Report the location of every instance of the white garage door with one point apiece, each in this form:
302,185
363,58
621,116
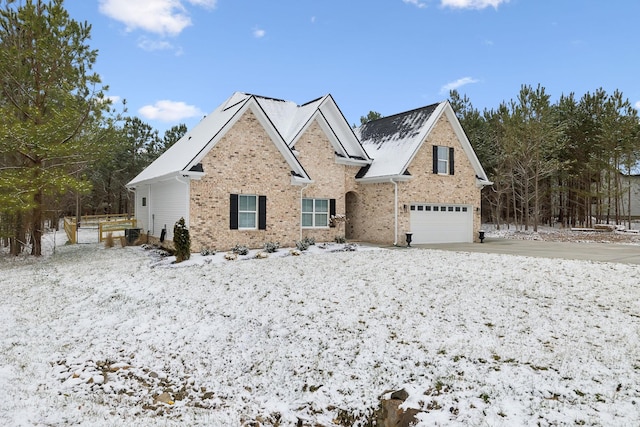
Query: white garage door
441,223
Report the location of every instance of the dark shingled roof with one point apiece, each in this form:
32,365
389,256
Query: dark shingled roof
401,126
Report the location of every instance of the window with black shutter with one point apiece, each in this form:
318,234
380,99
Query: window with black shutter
443,163
262,212
233,212
247,212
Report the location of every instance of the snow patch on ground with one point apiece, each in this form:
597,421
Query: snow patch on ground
121,336
557,234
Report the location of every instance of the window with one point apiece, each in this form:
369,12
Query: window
247,211
443,160
144,201
315,212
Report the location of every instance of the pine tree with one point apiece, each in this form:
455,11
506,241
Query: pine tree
181,241
51,107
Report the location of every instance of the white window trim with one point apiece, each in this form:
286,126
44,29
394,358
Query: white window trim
255,212
446,160
313,213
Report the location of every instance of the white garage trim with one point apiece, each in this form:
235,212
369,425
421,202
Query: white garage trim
441,223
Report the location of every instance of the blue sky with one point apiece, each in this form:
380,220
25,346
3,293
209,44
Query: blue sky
176,60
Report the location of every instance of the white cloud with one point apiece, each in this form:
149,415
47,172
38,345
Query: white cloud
456,84
166,17
114,98
416,3
151,45
471,4
169,111
637,105
259,33
210,4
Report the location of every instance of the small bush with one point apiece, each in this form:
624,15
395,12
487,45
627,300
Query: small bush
123,241
207,252
108,241
182,241
240,250
304,244
341,239
271,247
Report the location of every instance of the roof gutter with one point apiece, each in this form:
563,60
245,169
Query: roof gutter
386,178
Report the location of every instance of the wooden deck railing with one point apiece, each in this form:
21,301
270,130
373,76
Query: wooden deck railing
114,226
70,227
104,223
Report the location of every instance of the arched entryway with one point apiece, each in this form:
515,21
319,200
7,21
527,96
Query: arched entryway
351,212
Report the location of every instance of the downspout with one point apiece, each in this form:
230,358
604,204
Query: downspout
304,186
186,182
395,212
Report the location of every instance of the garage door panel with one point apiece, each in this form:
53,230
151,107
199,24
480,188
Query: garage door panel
441,223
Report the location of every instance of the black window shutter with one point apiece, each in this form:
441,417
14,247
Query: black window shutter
435,159
233,212
451,166
332,208
262,212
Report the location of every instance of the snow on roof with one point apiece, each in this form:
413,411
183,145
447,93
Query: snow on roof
181,154
392,141
287,119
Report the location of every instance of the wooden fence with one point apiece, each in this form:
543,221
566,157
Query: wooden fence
104,223
114,226
70,227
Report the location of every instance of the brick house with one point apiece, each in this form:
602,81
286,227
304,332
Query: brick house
259,169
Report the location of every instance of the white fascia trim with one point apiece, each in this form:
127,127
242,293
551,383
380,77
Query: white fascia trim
481,183
351,162
193,175
296,180
156,179
384,179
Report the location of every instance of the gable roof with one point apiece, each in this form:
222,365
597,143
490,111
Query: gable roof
284,121
392,142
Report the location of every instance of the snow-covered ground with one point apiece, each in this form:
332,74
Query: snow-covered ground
110,337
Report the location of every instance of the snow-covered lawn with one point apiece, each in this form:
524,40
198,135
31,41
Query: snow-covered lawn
111,337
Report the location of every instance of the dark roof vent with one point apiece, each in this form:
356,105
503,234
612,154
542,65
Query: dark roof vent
197,168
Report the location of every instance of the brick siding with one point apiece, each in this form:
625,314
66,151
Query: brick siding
246,161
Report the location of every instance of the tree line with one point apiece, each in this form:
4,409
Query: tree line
63,146
566,163
65,149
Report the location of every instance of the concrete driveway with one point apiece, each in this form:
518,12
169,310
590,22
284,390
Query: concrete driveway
605,252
